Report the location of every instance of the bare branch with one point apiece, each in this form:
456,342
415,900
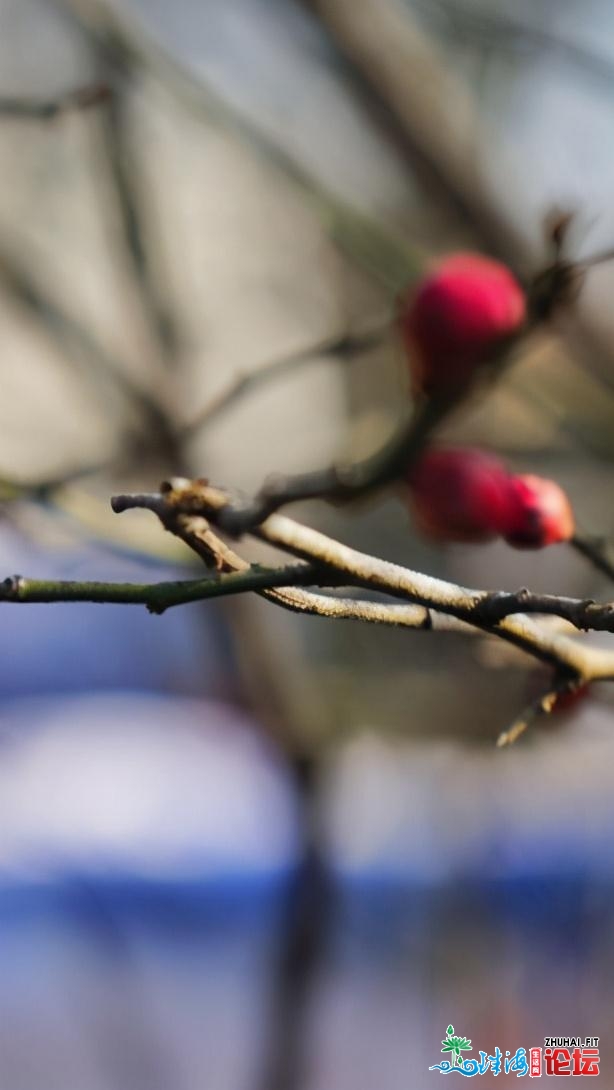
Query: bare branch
157,597
544,705
340,482
48,109
68,333
344,348
499,613
369,243
596,550
125,175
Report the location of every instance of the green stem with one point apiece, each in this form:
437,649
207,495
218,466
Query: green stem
155,596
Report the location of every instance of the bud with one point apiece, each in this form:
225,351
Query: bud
455,319
539,513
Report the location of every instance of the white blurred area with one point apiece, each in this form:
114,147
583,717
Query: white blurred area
140,787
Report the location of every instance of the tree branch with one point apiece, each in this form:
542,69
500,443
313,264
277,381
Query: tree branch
544,705
596,550
157,597
67,332
125,177
500,613
48,109
340,482
343,347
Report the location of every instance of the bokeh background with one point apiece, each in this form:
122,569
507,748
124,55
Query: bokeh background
241,849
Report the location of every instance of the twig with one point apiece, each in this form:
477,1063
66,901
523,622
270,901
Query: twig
439,124
196,533
119,147
501,614
157,597
48,109
596,550
12,489
502,32
344,347
370,244
544,705
436,116
340,482
69,334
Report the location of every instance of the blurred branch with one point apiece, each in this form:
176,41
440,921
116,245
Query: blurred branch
369,243
502,31
12,489
439,122
124,169
343,482
436,113
70,336
344,348
48,109
544,705
597,551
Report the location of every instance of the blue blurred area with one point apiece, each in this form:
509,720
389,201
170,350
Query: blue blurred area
151,839
80,648
148,842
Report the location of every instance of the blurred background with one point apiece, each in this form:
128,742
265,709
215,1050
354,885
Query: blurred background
242,849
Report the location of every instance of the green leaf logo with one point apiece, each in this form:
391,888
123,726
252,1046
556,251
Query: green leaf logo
455,1044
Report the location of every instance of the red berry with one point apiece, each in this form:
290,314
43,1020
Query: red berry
567,700
460,495
456,317
539,513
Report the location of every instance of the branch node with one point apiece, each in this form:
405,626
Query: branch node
12,588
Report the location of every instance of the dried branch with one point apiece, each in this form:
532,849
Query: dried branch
48,109
500,613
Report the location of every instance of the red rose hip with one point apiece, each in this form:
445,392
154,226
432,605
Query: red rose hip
457,316
459,494
539,513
